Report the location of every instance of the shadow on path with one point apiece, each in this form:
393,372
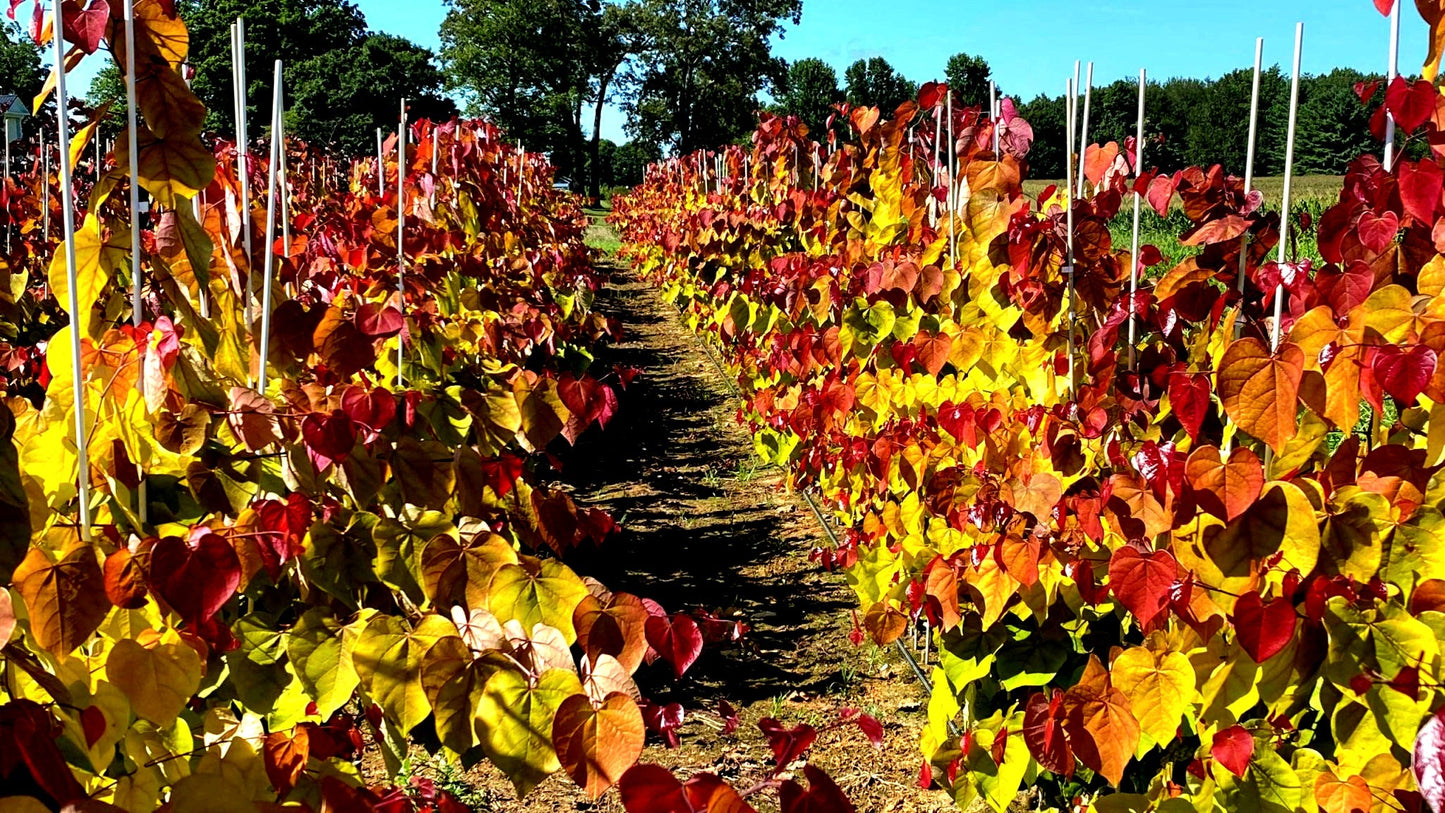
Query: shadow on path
702,525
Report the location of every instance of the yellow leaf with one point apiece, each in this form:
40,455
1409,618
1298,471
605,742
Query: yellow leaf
388,658
1160,687
545,594
96,260
157,676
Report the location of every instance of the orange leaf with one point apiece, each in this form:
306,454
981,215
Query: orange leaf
615,627
1225,490
66,599
1260,390
285,758
884,623
596,746
1101,723
1335,795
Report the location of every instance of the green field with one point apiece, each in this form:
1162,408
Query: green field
1311,193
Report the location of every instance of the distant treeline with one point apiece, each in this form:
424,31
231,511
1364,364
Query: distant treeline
1188,122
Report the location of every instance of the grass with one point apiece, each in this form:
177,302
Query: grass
1311,194
601,236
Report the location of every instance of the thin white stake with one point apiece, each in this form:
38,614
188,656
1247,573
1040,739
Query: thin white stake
5,134
62,106
1392,71
270,265
436,147
952,148
380,166
1299,36
1134,245
937,141
134,168
243,174
1083,144
135,224
280,128
1071,92
1249,165
993,114
45,184
400,232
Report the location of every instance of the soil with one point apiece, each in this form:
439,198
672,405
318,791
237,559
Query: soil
704,526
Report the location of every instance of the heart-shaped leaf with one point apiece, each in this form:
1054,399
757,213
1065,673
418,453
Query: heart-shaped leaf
1263,628
197,578
676,639
597,745
65,599
1260,390
1225,490
1141,581
1232,748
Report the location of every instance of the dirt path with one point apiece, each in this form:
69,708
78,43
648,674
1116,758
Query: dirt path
704,527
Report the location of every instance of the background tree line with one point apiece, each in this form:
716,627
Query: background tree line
685,73
1188,122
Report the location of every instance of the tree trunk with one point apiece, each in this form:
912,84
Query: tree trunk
595,187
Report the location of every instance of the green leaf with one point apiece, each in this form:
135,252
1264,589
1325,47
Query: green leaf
388,659
320,649
514,723
537,594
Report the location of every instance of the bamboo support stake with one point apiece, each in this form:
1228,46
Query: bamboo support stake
1249,165
993,114
135,224
1134,244
400,244
1083,142
1299,35
1392,70
82,453
271,216
950,157
1071,92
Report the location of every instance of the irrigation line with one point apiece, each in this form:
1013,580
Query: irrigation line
822,523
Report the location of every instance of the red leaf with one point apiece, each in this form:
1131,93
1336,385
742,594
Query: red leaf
1385,6
195,579
678,640
1161,191
1044,732
84,27
1411,103
379,321
1220,230
822,795
1377,231
285,757
1189,398
92,723
664,720
1420,185
329,438
787,743
1429,762
652,789
1403,372
1263,628
124,581
1141,582
1233,748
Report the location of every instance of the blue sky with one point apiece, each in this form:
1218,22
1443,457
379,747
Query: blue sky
1032,44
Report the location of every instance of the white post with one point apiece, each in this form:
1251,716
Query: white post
1392,71
436,147
135,224
1134,245
400,231
134,168
271,172
950,155
1299,36
45,184
280,128
204,295
1249,174
1083,143
1071,92
243,152
937,141
993,114
5,134
62,106
380,167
